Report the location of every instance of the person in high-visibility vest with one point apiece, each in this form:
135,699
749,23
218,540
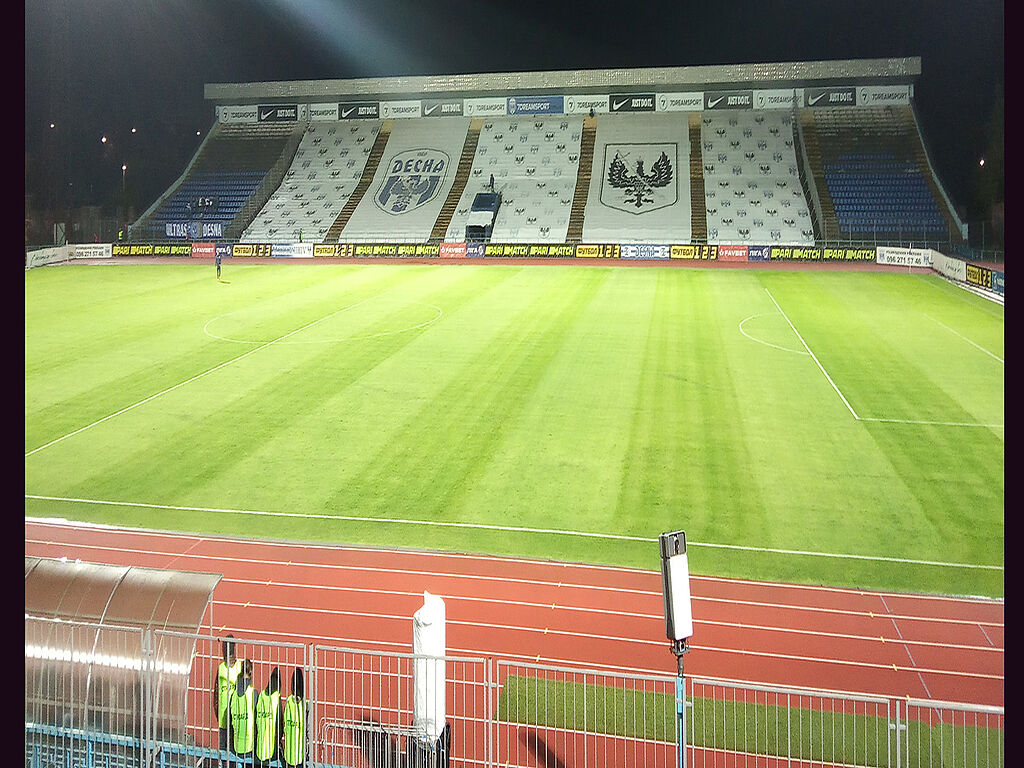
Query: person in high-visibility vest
243,715
227,676
293,748
268,720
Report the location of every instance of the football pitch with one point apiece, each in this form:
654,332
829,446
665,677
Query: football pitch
823,427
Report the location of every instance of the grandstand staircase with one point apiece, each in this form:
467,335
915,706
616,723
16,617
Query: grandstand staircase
584,170
372,161
271,182
830,224
698,207
444,218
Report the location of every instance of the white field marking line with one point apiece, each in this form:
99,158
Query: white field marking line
438,316
59,522
140,532
813,356
506,528
934,423
194,378
767,343
973,344
958,290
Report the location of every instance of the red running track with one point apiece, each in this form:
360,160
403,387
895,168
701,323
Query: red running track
596,617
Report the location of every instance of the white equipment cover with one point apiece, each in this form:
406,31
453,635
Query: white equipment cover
640,183
412,182
428,675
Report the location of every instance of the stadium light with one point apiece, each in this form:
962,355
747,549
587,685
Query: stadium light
675,585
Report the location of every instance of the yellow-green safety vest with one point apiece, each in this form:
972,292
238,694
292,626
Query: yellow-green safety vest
242,721
268,705
294,731
226,679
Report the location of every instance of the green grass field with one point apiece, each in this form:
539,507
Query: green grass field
606,400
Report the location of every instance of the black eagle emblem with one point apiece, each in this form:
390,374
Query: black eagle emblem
639,185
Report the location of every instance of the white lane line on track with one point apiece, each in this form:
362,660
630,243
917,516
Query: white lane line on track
319,609
530,582
813,356
662,643
986,635
506,579
194,378
214,538
505,528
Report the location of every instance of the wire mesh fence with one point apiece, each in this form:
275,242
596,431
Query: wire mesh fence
121,697
548,715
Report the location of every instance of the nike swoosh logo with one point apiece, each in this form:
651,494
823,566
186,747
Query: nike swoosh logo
815,99
713,102
347,112
265,115
430,110
616,105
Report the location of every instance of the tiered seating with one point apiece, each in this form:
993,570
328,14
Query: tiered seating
534,163
230,168
210,196
752,186
640,186
417,170
873,172
326,169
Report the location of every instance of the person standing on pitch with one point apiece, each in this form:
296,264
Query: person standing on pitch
243,714
268,721
293,749
217,259
227,676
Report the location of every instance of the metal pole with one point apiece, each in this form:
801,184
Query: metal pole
680,649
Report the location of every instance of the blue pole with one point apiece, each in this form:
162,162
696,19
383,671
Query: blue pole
680,716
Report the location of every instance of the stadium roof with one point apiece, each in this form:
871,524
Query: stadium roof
776,75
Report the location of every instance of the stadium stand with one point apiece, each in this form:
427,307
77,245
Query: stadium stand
872,165
327,166
231,176
636,192
752,187
411,183
534,162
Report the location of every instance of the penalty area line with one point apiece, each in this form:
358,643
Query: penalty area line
813,356
489,527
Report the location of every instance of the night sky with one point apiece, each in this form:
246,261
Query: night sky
101,67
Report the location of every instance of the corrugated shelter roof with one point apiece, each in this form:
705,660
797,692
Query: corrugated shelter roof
91,656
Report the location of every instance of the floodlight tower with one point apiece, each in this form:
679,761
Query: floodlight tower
675,582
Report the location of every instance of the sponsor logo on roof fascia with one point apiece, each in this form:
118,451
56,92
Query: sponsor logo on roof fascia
358,110
728,99
535,105
631,102
681,102
442,107
835,96
277,113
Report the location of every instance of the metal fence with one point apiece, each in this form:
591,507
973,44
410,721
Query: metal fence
112,698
